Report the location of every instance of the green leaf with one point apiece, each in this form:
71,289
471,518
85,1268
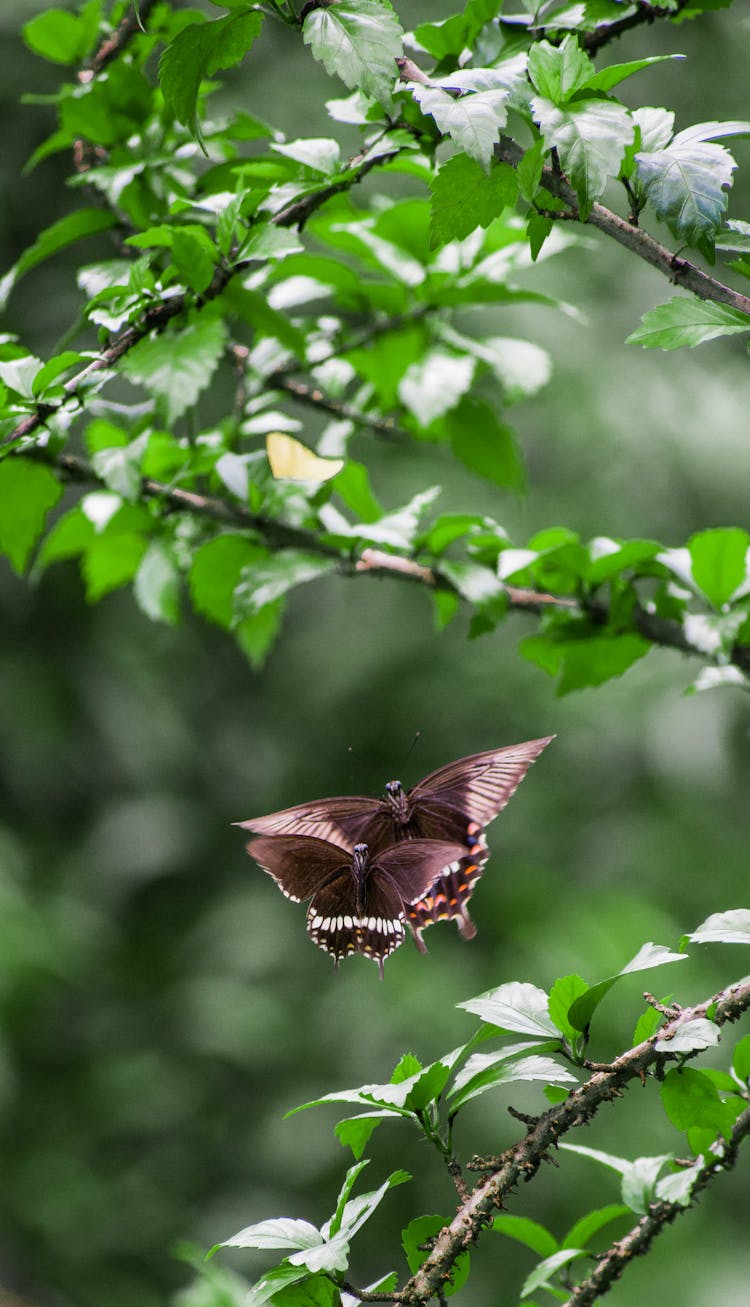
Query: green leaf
435,384
352,483
179,364
529,172
465,197
719,562
678,1187
418,1233
273,1283
558,71
54,368
647,1025
157,584
741,1060
731,927
27,493
687,185
111,560
606,78
114,460
256,632
384,360
280,1232
563,994
682,321
543,1273
354,1131
651,955
69,537
484,444
584,661
638,1178
446,605
691,1100
315,1291
73,227
199,51
472,121
480,587
195,258
690,1037
485,1071
612,557
352,1175
215,573
528,1232
270,578
581,1234
62,37
515,1008
358,41
590,137
355,1212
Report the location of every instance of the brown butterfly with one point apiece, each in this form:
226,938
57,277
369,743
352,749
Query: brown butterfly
358,901
455,803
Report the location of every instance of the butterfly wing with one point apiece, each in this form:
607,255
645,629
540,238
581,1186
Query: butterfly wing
470,792
342,821
335,924
292,460
456,802
300,864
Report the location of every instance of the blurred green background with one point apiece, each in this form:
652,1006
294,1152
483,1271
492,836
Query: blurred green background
160,1005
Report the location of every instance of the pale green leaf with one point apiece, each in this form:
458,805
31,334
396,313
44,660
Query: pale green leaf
358,41
157,584
558,71
731,927
719,562
682,321
198,51
179,364
472,121
270,578
27,493
516,1007
687,185
590,137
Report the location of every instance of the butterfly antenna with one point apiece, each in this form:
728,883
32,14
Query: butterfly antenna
410,750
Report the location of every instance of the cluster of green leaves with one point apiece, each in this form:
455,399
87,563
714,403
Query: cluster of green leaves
551,1033
245,263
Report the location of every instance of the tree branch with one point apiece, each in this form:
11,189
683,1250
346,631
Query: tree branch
522,1161
313,397
156,317
275,533
661,632
680,271
594,41
114,44
638,1240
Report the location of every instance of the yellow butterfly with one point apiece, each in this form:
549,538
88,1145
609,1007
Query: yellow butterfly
295,462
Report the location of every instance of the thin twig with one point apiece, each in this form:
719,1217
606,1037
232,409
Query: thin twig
659,1215
594,41
365,1295
114,44
313,396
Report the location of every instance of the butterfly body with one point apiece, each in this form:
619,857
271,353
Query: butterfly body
453,804
359,900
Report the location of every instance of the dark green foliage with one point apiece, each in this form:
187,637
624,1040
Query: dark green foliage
366,284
